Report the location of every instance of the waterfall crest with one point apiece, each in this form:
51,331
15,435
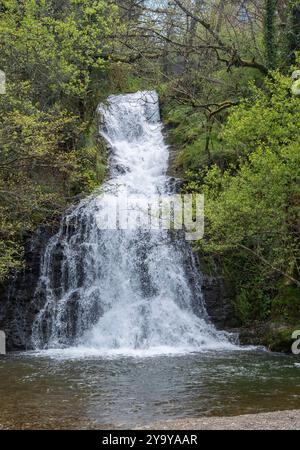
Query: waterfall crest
123,290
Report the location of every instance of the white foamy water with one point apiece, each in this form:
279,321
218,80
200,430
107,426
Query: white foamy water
112,292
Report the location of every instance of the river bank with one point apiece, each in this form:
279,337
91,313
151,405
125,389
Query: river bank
278,420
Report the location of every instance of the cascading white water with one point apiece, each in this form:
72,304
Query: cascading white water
123,290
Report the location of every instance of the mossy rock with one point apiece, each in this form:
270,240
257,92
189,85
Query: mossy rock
276,337
279,339
286,305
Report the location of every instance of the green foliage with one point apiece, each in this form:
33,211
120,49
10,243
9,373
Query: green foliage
293,35
55,47
286,304
269,118
252,305
253,207
270,33
193,131
198,142
91,163
55,58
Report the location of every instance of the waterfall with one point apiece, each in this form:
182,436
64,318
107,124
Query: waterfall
123,290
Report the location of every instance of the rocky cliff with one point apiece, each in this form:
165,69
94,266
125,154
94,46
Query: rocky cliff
16,307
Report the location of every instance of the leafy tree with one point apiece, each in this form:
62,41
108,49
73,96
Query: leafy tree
253,207
55,55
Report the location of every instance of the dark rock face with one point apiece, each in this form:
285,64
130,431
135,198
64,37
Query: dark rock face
276,336
17,310
218,301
